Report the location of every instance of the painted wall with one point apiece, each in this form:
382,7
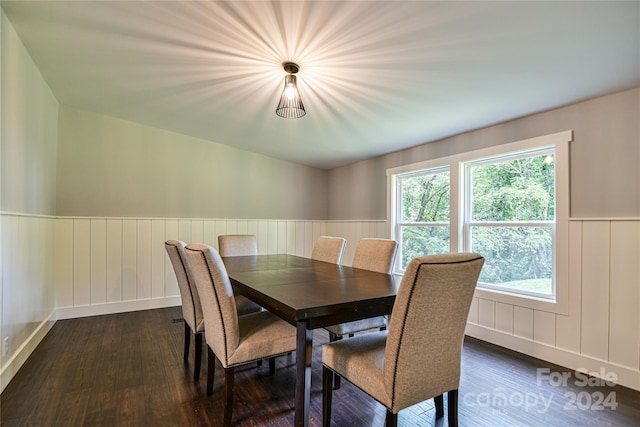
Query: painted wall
605,154
29,120
112,167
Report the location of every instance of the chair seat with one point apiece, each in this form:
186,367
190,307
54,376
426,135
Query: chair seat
358,326
361,360
262,335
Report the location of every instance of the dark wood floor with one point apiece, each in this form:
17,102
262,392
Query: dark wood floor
127,369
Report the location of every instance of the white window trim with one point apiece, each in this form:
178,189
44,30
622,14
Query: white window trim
561,142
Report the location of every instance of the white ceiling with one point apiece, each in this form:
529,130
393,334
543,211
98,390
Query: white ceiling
375,77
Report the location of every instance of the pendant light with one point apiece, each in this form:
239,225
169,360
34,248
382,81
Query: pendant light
290,105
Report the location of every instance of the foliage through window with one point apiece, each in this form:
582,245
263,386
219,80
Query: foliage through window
510,220
424,219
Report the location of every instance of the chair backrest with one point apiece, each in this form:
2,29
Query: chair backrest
191,307
375,255
237,245
424,343
328,249
218,302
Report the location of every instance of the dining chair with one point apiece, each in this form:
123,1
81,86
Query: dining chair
328,249
374,255
191,307
233,340
237,245
419,356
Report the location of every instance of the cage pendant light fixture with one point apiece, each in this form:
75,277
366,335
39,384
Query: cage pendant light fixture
290,105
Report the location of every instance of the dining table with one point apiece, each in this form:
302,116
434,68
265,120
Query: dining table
310,294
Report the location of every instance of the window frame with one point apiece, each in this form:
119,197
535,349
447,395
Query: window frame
458,202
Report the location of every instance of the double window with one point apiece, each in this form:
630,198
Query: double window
509,203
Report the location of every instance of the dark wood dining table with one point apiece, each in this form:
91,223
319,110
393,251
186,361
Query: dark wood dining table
310,294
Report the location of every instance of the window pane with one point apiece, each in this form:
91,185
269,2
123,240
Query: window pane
514,190
518,258
425,198
420,241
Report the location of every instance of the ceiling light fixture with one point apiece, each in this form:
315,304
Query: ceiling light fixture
290,105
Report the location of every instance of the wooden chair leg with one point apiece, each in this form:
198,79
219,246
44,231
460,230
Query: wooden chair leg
452,412
198,358
336,378
327,394
272,365
439,402
211,370
187,342
391,419
228,387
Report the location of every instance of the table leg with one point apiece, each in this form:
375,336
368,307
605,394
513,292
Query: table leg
304,350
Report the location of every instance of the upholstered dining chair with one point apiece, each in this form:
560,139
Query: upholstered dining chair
234,340
374,255
328,249
237,245
240,245
191,307
419,356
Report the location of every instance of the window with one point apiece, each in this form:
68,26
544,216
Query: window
510,203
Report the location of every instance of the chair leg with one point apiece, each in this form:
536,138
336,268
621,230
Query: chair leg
391,419
336,378
211,370
327,394
272,365
439,402
198,358
452,410
228,387
187,341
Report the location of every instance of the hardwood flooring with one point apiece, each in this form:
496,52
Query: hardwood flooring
127,370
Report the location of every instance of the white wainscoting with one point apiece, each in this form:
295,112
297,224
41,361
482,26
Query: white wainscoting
106,265
602,330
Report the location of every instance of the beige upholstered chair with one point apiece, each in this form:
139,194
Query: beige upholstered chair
375,255
240,245
419,356
234,340
237,245
191,308
328,249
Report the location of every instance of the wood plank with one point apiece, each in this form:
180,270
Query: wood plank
486,313
263,237
63,256
209,234
473,312
158,255
197,231
504,317
81,262
98,261
624,325
170,282
523,322
568,327
129,259
114,260
300,242
594,337
143,259
272,241
544,327
291,237
281,247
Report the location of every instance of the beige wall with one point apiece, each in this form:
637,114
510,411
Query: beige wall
29,131
28,175
115,168
605,154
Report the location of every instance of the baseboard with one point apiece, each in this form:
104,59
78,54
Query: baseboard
11,367
626,376
116,307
